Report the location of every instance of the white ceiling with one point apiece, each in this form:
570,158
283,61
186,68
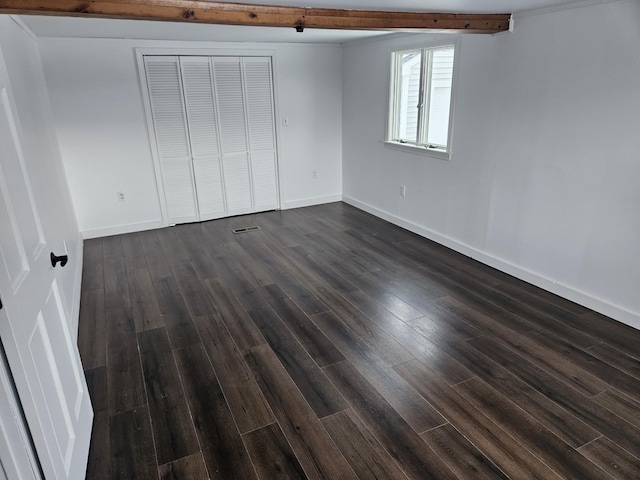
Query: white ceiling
452,6
147,30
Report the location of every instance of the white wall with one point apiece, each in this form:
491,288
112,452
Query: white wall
543,181
42,158
99,117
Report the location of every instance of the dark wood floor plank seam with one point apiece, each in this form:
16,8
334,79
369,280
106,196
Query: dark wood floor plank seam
621,405
543,443
317,345
304,371
464,458
384,345
537,352
603,371
609,457
248,406
220,441
616,359
584,408
168,410
561,421
316,452
414,409
414,457
453,280
491,439
363,451
271,454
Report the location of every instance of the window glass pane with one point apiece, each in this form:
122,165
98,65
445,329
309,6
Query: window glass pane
408,95
440,96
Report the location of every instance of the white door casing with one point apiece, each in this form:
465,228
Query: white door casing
42,356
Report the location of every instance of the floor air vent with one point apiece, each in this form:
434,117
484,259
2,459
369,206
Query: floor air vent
246,229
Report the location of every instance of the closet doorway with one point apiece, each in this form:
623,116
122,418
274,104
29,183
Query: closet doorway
211,119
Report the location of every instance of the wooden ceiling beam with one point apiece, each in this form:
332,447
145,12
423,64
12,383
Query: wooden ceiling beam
262,15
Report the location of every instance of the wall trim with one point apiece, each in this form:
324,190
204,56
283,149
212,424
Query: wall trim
599,305
307,202
120,229
77,289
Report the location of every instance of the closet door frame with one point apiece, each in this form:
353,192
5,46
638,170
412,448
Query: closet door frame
140,53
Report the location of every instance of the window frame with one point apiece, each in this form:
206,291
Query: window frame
392,109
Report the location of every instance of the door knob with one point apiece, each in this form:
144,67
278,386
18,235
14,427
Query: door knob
63,259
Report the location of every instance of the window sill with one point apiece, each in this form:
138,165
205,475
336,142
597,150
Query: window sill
429,152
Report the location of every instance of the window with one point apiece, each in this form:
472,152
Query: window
420,97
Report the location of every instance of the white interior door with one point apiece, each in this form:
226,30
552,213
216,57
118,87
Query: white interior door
42,356
171,138
204,134
233,134
262,133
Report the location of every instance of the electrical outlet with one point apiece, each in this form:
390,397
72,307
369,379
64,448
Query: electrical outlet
403,190
314,174
122,197
285,121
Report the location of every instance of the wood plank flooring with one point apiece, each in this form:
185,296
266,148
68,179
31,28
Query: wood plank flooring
333,345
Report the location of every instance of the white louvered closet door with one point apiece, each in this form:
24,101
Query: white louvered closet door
262,140
233,134
197,81
169,122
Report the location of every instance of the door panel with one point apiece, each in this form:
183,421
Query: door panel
263,173
30,226
237,184
211,197
16,455
202,119
172,142
262,135
179,193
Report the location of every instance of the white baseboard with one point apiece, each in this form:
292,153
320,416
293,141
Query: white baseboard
120,229
77,290
307,202
600,305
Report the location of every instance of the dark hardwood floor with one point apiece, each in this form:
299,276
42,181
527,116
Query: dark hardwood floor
333,345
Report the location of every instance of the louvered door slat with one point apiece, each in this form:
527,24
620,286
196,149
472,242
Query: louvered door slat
257,76
233,134
262,144
167,108
202,120
228,84
199,99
